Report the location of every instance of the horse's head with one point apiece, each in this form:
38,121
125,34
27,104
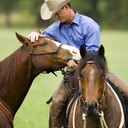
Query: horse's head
92,79
47,54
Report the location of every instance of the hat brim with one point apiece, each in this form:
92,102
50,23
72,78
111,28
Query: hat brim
46,14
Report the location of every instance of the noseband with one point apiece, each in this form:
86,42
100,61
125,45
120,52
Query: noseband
46,53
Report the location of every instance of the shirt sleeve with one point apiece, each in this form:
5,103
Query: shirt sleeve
45,33
51,30
92,37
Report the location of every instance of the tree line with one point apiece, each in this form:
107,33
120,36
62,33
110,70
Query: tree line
108,13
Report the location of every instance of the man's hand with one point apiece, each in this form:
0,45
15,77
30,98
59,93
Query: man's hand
71,64
33,36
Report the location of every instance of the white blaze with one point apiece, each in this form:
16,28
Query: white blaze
74,51
91,75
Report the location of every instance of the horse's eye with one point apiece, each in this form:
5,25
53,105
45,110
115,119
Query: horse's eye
80,76
102,75
44,44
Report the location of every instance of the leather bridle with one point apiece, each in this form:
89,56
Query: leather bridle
45,53
81,94
2,106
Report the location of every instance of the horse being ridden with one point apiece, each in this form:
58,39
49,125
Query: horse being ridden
98,105
19,70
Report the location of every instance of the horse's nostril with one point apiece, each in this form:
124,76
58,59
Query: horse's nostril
95,104
91,108
86,105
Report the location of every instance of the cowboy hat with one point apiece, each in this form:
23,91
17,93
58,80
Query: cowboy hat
50,7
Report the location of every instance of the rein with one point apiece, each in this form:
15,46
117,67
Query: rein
100,114
46,53
102,120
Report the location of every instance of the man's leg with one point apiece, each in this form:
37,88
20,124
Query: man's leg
121,84
59,101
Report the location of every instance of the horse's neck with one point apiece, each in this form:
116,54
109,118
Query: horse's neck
16,73
111,99
112,109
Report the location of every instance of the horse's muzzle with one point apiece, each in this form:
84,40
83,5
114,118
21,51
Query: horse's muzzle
92,109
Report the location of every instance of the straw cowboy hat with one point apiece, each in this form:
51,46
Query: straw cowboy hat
50,7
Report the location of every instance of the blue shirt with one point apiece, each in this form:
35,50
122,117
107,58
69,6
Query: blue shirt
82,30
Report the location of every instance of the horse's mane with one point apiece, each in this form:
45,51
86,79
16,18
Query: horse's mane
9,66
93,56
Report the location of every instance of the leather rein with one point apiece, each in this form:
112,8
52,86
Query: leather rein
46,53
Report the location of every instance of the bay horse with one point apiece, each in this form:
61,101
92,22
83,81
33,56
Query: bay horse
18,71
97,106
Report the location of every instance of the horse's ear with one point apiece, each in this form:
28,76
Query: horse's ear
22,39
83,51
101,51
38,30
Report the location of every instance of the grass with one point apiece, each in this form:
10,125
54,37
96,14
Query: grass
116,45
34,112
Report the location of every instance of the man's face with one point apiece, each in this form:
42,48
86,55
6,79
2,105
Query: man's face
62,14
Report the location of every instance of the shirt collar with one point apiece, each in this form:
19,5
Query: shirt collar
75,20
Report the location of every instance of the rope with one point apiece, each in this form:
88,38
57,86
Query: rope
101,116
84,119
122,122
74,113
102,120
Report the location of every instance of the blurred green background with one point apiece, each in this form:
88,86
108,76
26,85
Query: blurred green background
23,16
110,14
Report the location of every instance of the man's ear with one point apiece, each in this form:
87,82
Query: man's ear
83,51
22,39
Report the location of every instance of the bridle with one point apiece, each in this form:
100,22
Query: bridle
2,106
80,90
45,53
99,113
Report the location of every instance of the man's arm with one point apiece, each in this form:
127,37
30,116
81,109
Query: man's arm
92,39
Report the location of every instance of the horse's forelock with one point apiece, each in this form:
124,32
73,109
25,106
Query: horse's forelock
93,56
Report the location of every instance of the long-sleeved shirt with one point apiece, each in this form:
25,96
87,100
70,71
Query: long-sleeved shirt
82,30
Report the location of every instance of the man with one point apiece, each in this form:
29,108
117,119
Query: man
72,29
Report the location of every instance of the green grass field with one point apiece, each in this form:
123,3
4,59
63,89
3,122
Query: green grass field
34,111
